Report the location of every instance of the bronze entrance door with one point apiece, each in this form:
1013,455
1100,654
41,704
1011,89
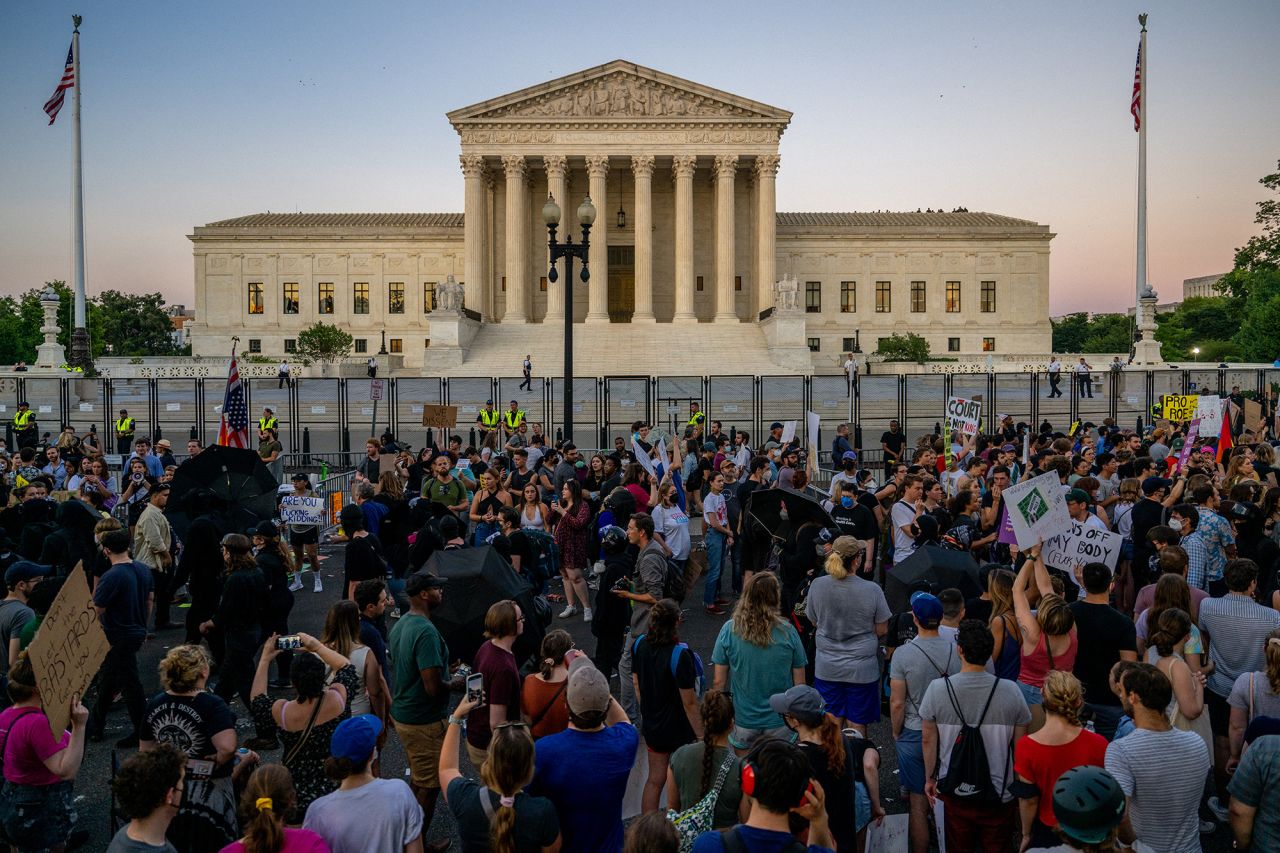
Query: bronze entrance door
622,283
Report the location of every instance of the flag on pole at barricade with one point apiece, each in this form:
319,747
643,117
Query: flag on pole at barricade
233,429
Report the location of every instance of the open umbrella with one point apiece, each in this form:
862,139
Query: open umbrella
941,568
227,482
766,507
478,578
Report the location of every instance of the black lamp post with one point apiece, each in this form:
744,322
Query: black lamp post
568,250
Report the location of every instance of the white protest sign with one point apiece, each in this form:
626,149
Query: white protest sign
812,423
1037,509
643,458
1084,544
788,432
964,415
302,510
1209,411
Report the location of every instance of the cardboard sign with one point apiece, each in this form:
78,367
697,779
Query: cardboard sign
67,650
964,416
440,417
302,510
1084,544
1179,407
1253,423
1037,509
1209,410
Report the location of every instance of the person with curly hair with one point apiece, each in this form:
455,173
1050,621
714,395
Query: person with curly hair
148,789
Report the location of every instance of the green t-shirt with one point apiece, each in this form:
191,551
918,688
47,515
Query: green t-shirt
449,494
756,673
416,645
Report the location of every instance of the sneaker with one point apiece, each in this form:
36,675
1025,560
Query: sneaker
714,610
586,614
1219,811
568,612
295,582
319,587
594,584
395,613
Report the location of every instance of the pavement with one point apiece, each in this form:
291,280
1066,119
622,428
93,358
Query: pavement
699,630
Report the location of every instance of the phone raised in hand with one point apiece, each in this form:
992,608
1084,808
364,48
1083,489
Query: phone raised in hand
475,687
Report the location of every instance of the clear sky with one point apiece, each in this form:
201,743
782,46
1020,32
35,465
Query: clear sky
195,112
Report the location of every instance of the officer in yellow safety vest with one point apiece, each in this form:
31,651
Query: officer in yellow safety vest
488,420
512,418
268,420
124,433
24,425
696,420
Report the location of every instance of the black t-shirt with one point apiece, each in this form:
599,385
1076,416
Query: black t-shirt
1146,515
895,442
977,608
664,724
187,722
612,614
839,787
1102,632
856,521
364,561
521,547
902,630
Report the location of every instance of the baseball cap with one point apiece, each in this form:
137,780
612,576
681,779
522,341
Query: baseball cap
825,535
265,529
25,570
1151,485
1079,496
927,608
588,690
849,456
355,738
709,446
774,425
847,546
488,402
420,581
1008,448
300,477
802,702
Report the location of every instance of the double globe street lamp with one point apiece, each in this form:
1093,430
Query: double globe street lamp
568,250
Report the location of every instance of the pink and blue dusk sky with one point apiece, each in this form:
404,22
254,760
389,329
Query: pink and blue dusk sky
204,111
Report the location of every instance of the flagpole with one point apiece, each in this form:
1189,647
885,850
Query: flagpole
80,334
1142,165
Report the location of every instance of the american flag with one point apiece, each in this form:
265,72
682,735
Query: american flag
233,431
54,104
1135,103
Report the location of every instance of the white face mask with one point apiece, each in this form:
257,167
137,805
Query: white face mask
1175,524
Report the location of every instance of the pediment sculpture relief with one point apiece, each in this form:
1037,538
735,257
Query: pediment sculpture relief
619,96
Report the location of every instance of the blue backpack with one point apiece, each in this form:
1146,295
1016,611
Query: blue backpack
699,674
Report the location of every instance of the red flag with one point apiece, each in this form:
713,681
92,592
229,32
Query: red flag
1224,436
1135,102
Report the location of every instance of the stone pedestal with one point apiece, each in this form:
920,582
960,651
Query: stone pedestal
1146,351
50,354
785,328
453,327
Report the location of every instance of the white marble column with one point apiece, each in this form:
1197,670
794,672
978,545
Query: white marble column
642,168
555,164
517,240
726,171
766,174
474,231
598,290
682,168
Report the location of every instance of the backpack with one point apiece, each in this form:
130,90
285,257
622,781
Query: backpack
969,773
673,585
699,674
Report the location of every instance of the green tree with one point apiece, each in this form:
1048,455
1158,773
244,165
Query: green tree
1258,338
1207,322
1262,252
908,347
323,343
1069,332
133,324
1093,333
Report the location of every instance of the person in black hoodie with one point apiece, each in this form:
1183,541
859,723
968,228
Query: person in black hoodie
275,562
238,620
612,614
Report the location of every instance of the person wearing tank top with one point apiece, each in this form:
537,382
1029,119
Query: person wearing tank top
1048,633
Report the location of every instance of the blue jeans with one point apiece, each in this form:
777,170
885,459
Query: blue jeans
714,541
1105,718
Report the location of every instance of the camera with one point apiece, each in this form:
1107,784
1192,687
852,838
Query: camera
623,582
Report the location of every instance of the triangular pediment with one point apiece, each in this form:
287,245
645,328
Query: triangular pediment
621,91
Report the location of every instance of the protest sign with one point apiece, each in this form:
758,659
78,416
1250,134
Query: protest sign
788,432
1179,407
1253,423
1209,410
1037,509
1084,544
1193,432
964,416
301,510
812,424
1007,536
440,417
67,650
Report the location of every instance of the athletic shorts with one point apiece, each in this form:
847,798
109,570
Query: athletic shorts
310,536
857,703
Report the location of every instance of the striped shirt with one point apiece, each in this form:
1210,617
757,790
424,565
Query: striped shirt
1163,805
1237,627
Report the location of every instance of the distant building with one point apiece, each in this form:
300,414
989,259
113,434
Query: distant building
1205,285
179,317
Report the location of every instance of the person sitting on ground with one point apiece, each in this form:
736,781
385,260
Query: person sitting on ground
148,789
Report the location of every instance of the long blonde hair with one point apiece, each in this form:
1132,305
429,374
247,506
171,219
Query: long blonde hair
506,770
756,613
1000,588
1272,651
342,627
1063,695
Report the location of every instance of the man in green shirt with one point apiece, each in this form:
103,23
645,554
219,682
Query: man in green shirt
420,703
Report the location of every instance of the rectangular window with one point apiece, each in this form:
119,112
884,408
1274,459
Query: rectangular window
813,297
360,297
988,297
504,284
395,297
953,345
988,344
953,297
255,297
255,344
426,342
289,298
324,297
397,345
884,297
362,345
290,345
848,297
700,284
542,284
428,297
737,283
815,344
918,296
848,344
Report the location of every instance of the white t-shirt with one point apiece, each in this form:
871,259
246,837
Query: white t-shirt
673,524
713,506
1082,369
1092,520
904,545
1055,366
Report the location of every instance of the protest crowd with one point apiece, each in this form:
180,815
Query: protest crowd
1072,632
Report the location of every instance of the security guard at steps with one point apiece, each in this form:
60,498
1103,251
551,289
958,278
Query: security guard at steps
697,420
125,426
488,421
24,426
268,420
512,418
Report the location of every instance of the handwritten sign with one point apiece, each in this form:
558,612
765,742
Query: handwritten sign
67,650
301,510
1084,544
1179,407
1209,411
1037,509
963,416
440,417
1253,422
1193,432
788,432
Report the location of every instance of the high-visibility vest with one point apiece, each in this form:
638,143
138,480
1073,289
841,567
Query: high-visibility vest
513,419
489,417
696,419
124,426
22,420
268,423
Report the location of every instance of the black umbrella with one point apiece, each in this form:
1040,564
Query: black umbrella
480,577
765,507
940,568
227,482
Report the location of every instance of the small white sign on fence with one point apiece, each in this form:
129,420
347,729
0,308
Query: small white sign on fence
730,408
86,407
44,410
627,404
317,410
173,407
366,410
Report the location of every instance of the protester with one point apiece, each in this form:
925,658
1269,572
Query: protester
495,661
149,789
1089,807
238,622
268,800
1049,637
710,764
1255,797
1254,694
304,538
1105,636
664,675
369,693
542,694
276,564
573,518
123,599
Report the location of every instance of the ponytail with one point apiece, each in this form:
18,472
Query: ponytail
506,770
267,800
555,645
1273,660
1174,624
837,566
832,743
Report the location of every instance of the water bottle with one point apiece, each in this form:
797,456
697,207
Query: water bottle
324,470
1088,726
241,753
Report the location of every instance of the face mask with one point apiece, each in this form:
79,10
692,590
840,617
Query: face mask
846,501
1175,524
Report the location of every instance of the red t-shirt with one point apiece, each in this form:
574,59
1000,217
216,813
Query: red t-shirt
501,687
1044,764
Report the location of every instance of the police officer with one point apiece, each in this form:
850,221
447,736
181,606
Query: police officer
512,418
24,426
268,420
124,433
488,421
696,419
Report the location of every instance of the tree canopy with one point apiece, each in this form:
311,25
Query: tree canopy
323,343
908,347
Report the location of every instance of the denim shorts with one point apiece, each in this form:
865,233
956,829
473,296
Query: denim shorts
861,806
1033,695
911,761
36,817
744,738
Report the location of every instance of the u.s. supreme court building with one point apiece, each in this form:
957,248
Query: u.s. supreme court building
693,268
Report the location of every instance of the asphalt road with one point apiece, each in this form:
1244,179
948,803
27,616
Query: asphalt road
698,629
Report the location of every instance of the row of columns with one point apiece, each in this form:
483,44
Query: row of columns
517,221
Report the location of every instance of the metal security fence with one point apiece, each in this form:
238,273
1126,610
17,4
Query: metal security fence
333,416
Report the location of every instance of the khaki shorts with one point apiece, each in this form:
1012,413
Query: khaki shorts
477,756
422,749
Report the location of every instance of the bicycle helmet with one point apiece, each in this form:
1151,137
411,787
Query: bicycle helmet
1088,804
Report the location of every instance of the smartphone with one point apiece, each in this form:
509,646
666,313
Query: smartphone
288,642
475,686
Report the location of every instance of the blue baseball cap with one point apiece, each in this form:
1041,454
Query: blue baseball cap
927,608
355,738
850,456
25,570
